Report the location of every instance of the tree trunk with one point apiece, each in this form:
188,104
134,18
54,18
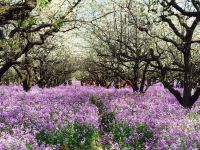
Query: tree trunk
27,83
187,102
143,78
135,77
5,68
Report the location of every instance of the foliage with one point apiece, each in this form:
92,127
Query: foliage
131,138
98,103
32,20
58,24
75,136
43,3
107,118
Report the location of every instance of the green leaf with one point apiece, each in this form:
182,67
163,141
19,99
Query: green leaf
43,3
28,22
29,146
58,24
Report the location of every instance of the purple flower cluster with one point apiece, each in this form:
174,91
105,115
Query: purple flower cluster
174,126
23,115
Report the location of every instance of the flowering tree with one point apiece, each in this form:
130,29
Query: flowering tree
121,47
179,21
159,38
19,37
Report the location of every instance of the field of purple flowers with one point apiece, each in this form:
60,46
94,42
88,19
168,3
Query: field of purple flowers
95,118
